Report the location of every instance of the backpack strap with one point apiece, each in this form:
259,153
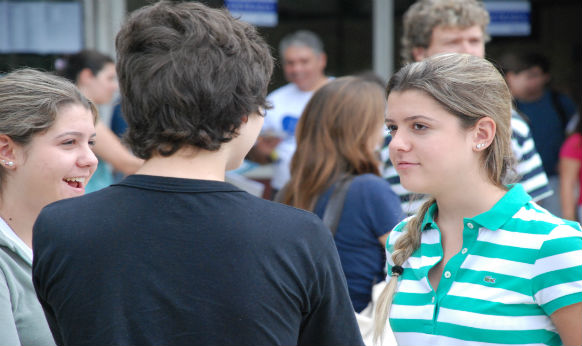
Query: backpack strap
335,205
559,107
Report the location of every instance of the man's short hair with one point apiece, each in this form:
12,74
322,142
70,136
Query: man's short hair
188,74
301,38
424,15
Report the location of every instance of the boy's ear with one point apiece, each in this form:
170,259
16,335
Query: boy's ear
245,118
322,61
85,76
509,76
547,78
483,133
418,53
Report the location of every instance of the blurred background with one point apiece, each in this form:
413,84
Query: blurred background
358,35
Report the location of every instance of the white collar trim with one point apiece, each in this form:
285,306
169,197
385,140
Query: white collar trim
15,242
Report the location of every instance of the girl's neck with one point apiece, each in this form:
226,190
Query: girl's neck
20,221
19,210
454,206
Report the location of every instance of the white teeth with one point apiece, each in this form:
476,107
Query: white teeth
76,179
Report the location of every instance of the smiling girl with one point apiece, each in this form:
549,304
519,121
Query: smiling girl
480,262
94,74
47,129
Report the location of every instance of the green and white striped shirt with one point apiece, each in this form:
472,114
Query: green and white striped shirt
518,264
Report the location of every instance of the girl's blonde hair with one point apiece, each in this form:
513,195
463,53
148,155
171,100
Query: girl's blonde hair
469,88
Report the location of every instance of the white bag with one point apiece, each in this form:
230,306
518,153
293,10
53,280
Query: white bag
366,321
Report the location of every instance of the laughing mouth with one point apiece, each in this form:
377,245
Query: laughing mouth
76,182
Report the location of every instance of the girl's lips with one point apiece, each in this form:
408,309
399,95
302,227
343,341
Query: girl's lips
405,165
75,182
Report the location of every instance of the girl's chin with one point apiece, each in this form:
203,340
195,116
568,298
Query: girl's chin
72,192
414,188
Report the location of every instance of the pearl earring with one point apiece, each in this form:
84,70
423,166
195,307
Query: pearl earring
480,145
8,163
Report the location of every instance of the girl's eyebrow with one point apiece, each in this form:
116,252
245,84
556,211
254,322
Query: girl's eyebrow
413,118
73,133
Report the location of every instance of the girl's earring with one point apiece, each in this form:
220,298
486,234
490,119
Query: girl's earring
480,146
8,163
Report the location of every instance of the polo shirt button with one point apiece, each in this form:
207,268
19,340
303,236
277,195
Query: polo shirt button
464,251
432,300
447,274
470,225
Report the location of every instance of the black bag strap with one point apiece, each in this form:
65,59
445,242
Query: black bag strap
559,107
335,205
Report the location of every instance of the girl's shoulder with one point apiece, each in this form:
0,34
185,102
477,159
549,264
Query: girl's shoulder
373,190
371,182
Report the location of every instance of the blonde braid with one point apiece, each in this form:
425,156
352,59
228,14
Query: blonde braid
403,249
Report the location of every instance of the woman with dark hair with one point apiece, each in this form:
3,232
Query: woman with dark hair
337,137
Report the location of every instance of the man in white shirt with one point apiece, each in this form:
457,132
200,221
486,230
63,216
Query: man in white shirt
304,62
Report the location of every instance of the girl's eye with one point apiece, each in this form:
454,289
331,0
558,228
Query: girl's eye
391,128
417,126
69,142
92,143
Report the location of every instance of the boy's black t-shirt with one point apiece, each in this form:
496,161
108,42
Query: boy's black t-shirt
168,261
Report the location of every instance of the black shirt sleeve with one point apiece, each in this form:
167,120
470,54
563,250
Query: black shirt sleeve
331,319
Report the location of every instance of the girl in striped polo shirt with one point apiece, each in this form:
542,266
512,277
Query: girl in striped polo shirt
480,263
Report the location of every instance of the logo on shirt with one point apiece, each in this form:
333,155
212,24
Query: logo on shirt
489,279
289,122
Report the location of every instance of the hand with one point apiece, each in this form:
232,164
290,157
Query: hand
263,149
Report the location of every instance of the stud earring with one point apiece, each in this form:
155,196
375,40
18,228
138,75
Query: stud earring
8,163
480,145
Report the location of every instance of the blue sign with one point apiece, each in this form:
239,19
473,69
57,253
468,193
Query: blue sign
256,12
509,18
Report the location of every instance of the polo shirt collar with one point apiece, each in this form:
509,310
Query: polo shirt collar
428,221
513,200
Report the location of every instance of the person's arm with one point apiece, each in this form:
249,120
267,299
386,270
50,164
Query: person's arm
331,319
109,148
569,173
8,331
383,208
568,321
383,239
263,150
556,284
529,168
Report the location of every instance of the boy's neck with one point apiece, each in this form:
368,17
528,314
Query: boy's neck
189,163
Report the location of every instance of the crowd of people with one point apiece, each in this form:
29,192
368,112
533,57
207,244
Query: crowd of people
444,189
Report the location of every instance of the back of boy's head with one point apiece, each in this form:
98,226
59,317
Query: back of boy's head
188,74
